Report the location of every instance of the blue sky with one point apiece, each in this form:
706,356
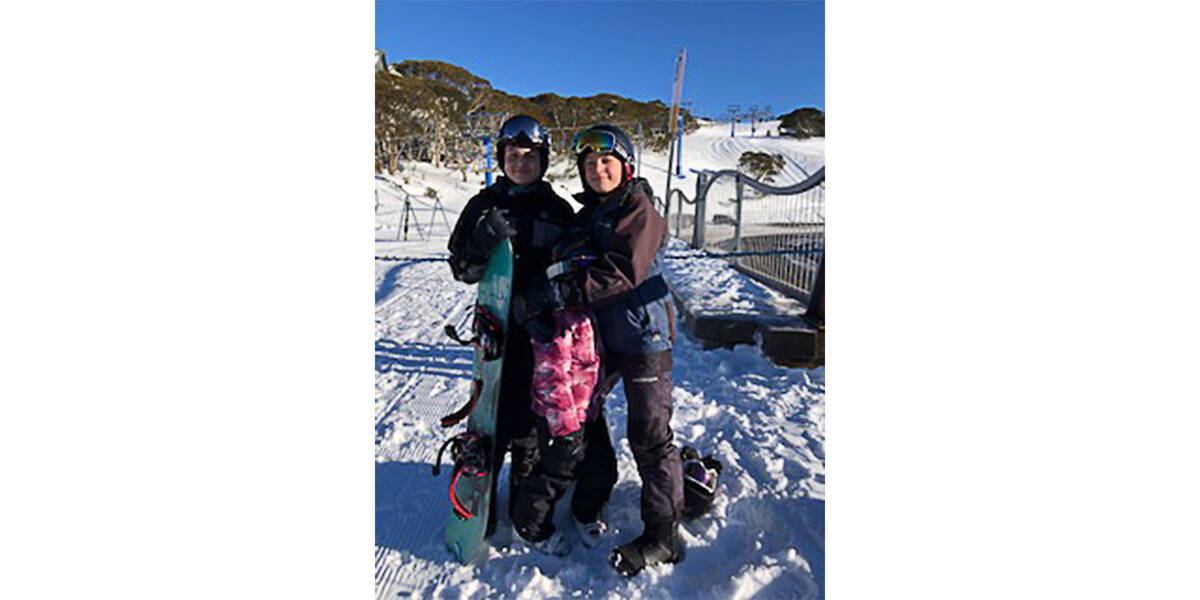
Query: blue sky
765,53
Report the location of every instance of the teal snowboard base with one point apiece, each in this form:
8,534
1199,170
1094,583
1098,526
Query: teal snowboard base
465,536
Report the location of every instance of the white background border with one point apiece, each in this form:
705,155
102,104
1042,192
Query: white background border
187,332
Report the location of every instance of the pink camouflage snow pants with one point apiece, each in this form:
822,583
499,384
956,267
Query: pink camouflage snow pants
565,372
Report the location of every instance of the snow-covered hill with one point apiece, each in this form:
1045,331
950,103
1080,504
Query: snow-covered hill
708,148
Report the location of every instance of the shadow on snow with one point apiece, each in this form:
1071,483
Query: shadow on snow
442,359
389,280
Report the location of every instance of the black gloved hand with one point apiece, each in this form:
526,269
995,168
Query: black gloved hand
493,226
541,328
568,290
534,308
540,297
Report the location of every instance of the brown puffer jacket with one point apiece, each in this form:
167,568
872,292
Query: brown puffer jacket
624,284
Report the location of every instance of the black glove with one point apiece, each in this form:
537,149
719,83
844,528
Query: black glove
534,309
568,289
467,271
540,297
541,328
493,226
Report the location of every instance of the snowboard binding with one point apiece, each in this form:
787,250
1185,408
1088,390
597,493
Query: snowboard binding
489,334
469,452
489,339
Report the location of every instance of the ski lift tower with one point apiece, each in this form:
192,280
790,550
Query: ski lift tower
487,123
733,111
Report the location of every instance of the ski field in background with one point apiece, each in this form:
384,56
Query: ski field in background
764,537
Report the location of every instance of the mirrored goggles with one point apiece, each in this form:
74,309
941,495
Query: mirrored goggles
595,140
523,130
701,475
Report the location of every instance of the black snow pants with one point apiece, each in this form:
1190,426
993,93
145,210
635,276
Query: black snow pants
596,474
647,379
515,428
533,511
585,458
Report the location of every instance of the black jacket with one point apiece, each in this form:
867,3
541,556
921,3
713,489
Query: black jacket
539,215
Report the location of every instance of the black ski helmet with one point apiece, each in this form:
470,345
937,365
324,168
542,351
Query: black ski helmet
524,131
605,139
699,481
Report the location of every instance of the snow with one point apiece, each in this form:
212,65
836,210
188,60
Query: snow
709,285
765,534
708,148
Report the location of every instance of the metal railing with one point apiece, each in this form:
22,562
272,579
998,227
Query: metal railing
774,233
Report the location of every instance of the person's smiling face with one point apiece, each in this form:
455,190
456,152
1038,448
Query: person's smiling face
522,165
602,172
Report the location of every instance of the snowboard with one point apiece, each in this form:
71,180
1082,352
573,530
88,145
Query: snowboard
471,495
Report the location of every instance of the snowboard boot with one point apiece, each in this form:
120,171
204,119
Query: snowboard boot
592,533
647,551
555,544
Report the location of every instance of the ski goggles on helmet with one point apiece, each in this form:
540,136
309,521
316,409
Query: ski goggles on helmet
596,140
523,129
701,475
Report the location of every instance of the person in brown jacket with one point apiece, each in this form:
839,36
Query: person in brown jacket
623,285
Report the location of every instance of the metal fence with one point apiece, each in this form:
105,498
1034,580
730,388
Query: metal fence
776,234
399,211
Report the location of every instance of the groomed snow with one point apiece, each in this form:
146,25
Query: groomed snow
765,535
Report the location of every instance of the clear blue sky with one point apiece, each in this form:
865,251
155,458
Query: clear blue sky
766,53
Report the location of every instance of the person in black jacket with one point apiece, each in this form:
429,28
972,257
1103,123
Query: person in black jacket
523,208
625,289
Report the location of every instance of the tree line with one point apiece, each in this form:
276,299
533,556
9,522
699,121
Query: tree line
436,112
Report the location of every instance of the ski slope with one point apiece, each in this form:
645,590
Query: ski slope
765,535
712,148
